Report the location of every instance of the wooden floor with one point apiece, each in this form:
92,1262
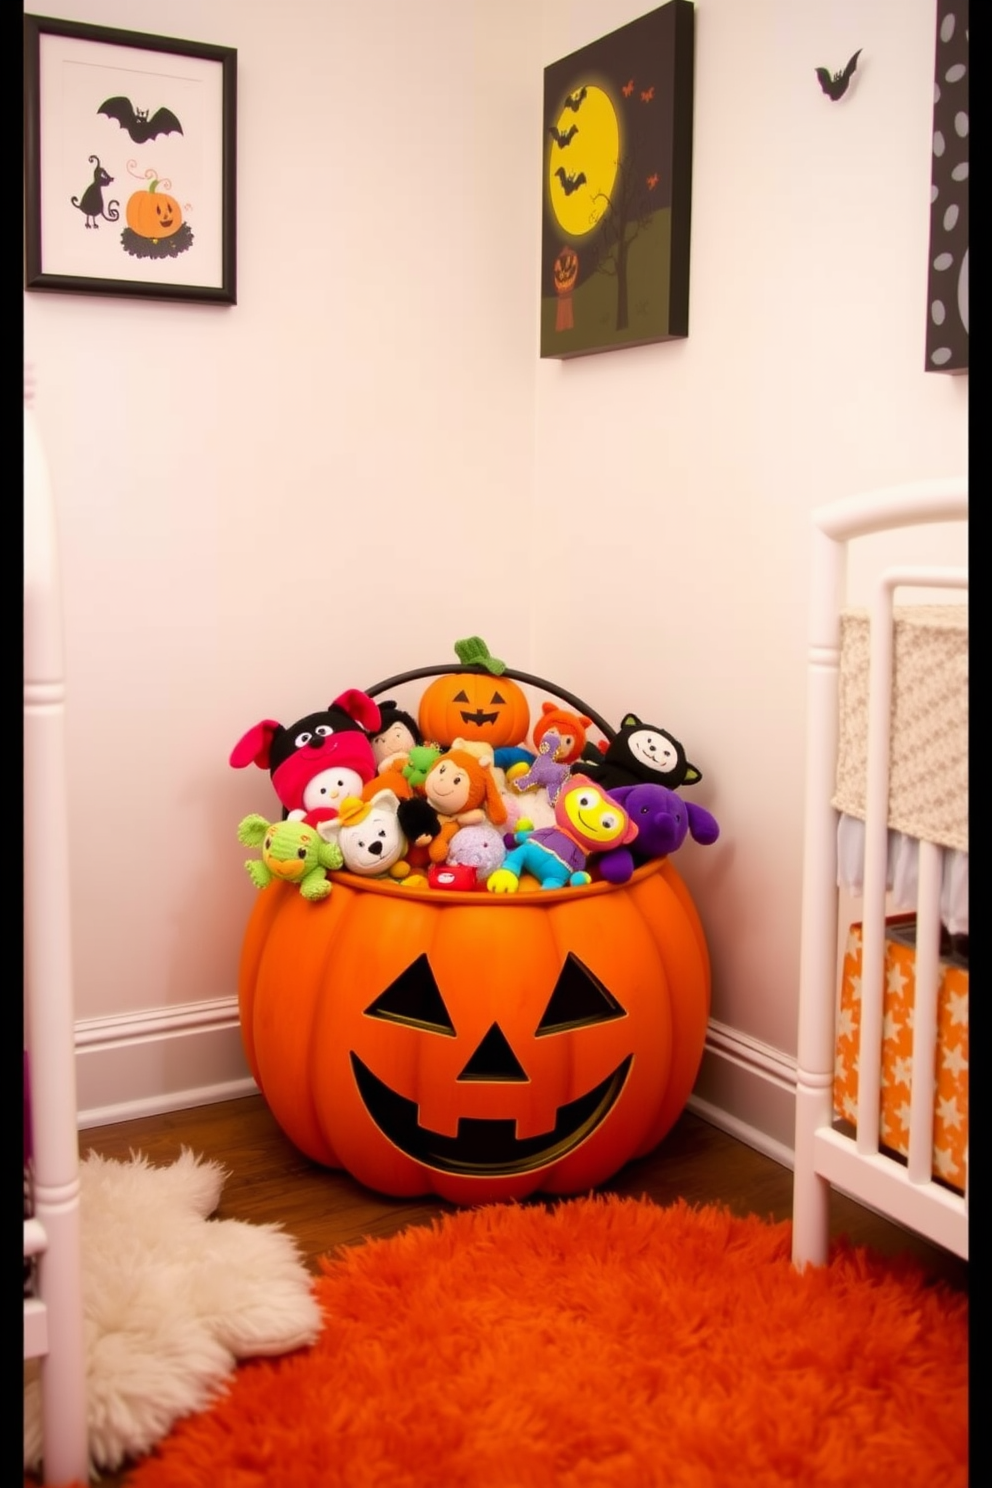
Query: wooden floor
271,1181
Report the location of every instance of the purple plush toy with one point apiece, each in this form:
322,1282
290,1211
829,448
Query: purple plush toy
662,819
546,769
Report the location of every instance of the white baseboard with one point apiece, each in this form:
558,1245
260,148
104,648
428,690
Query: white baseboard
163,1059
748,1089
168,1059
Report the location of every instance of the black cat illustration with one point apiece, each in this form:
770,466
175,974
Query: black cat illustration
91,204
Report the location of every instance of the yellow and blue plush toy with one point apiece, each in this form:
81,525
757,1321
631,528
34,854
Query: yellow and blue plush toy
291,851
587,821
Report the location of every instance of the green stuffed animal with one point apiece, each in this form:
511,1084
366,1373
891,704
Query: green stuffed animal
291,851
420,761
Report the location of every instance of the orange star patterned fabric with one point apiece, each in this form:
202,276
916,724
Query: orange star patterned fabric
950,1133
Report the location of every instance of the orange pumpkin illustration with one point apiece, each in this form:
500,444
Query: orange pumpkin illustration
566,273
154,214
566,270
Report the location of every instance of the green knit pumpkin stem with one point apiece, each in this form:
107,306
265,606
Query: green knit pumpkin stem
473,651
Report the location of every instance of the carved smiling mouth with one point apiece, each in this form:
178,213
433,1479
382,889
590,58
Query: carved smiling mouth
478,717
484,1146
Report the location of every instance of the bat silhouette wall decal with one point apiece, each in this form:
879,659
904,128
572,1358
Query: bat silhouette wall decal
565,138
834,84
570,183
575,99
137,123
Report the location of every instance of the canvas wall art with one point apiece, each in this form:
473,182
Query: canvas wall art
947,273
617,187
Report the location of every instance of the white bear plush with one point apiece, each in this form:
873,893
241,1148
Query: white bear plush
369,834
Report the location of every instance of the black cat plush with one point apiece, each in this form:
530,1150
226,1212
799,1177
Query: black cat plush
641,753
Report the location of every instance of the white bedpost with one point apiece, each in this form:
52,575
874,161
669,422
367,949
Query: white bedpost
49,1009
815,1056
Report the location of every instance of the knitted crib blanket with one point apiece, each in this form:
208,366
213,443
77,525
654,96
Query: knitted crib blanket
928,764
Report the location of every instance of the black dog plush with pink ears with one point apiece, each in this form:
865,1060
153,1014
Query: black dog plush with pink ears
319,760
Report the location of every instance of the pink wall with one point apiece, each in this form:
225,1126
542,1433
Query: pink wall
365,458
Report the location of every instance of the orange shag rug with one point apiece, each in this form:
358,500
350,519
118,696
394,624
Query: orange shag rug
601,1342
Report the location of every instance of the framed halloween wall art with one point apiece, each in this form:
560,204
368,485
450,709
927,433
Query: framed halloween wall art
617,187
130,158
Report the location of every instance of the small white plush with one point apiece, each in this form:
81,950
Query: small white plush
369,835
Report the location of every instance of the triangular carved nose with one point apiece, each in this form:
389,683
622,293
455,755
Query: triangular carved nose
493,1060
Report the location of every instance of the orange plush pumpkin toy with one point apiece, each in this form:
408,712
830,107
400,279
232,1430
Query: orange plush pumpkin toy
483,706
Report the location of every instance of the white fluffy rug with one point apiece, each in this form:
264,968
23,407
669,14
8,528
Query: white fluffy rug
172,1300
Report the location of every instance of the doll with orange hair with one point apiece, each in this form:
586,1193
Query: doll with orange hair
461,788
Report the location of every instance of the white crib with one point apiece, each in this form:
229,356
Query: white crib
825,1156
53,1318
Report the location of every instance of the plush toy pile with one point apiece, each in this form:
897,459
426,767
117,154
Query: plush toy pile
467,794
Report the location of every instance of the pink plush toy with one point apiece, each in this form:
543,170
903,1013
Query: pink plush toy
318,760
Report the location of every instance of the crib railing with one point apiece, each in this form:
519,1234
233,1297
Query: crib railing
824,1155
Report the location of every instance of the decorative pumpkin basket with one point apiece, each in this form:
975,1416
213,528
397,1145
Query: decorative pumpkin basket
477,1046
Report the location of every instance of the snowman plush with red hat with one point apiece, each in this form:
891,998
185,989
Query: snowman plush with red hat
318,761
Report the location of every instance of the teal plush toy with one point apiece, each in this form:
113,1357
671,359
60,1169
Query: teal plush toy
291,851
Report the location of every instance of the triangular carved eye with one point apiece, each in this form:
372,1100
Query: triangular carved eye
578,1000
498,697
494,1060
414,999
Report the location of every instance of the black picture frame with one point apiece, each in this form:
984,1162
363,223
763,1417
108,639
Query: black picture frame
68,128
947,339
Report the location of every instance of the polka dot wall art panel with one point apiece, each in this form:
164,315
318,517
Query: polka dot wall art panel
947,281
616,185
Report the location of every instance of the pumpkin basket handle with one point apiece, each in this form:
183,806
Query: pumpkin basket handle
540,683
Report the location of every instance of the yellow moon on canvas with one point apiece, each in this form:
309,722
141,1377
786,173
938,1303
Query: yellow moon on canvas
582,171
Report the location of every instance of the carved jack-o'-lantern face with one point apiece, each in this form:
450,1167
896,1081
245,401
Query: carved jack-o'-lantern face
489,1145
474,706
566,270
471,1046
154,214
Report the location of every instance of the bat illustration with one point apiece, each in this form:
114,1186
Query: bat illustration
835,84
563,139
574,99
137,123
648,94
570,183
627,88
652,181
